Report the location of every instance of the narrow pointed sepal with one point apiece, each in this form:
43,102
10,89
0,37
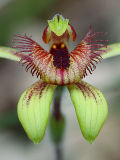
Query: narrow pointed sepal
91,108
111,51
10,53
33,109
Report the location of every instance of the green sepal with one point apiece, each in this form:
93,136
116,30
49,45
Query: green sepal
33,109
9,53
111,51
57,128
91,109
58,26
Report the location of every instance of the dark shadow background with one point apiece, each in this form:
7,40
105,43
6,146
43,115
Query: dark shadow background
29,16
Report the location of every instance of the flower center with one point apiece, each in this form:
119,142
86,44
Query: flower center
61,58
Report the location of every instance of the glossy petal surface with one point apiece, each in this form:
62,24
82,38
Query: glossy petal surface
33,109
91,108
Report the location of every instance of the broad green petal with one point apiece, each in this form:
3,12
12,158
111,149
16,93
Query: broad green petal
111,51
91,108
33,109
58,26
9,53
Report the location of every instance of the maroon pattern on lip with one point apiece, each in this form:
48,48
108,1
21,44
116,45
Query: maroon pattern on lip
61,58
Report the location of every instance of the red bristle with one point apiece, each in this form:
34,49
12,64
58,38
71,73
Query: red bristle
94,45
28,66
32,53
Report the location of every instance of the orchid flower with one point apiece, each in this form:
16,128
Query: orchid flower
57,67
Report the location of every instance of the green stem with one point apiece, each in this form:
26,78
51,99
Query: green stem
57,124
58,116
59,152
57,103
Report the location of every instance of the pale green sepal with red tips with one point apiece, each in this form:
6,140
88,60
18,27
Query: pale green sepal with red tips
33,109
58,24
9,53
111,51
91,109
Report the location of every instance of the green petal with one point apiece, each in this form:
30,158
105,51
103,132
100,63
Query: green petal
111,51
9,53
33,109
91,108
58,26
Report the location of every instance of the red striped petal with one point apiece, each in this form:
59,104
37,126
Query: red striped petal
71,32
46,35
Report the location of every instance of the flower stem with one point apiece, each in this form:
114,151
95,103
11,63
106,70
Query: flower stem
59,152
57,103
58,116
57,124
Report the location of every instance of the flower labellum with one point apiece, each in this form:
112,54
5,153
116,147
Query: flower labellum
59,66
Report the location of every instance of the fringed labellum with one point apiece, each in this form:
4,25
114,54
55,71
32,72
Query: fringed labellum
60,66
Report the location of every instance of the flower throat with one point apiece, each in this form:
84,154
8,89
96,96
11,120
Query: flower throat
61,58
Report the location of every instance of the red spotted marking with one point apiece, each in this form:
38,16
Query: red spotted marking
86,89
36,90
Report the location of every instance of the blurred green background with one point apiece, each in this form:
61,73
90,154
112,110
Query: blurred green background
29,16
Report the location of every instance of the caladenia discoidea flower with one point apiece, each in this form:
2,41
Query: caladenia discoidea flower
59,66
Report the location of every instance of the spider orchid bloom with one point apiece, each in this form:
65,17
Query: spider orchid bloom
59,66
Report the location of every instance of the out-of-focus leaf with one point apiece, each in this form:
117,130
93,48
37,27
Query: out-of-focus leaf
8,119
19,12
